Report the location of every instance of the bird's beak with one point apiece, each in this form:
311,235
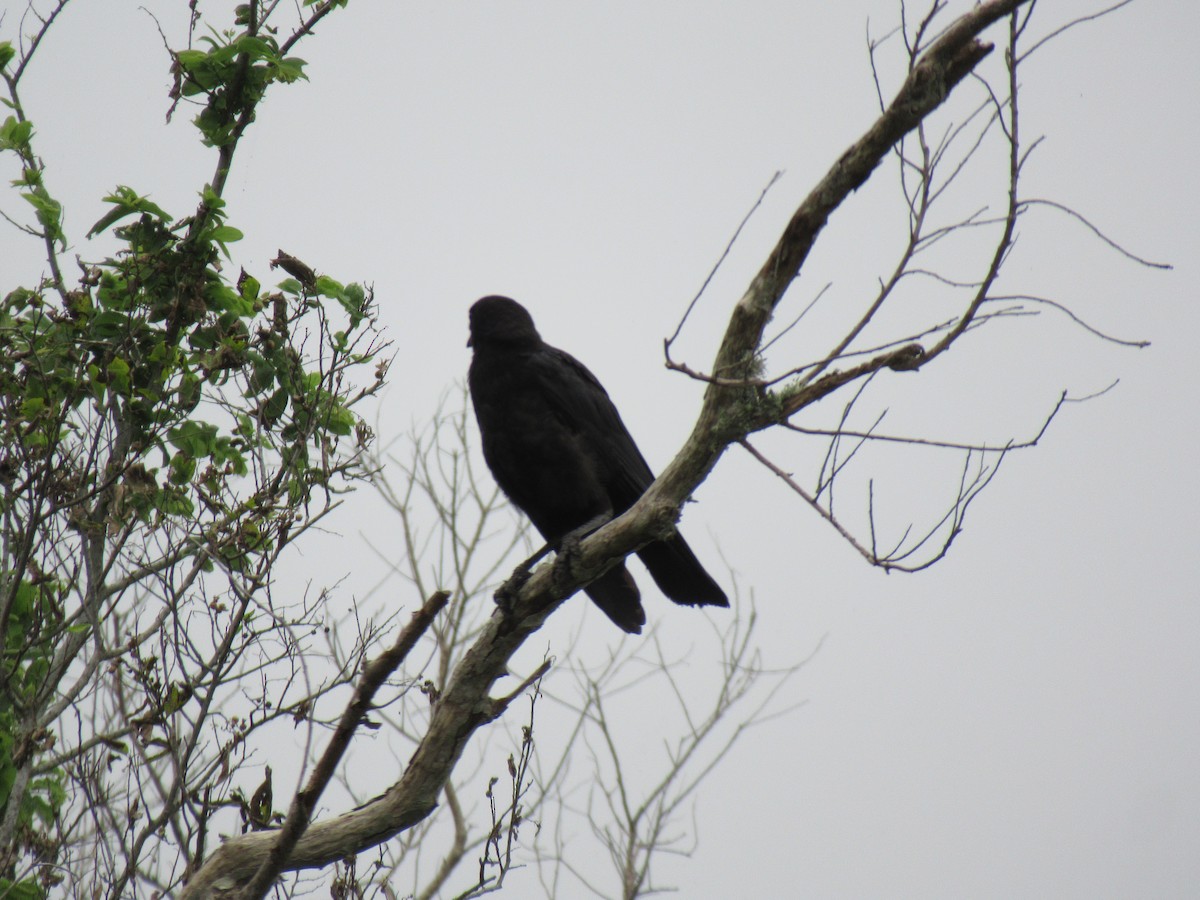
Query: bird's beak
468,342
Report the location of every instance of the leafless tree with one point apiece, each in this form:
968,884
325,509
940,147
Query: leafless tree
458,532
158,654
741,399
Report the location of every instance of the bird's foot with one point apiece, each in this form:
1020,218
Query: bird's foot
568,546
506,594
566,558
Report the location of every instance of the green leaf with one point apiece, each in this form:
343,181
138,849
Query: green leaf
201,72
194,438
189,392
275,407
114,215
340,421
211,199
183,467
354,300
35,439
31,406
21,890
190,59
108,324
222,235
253,46
126,202
233,306
7,52
173,502
49,214
35,805
225,234
327,287
249,288
176,698
95,384
30,177
245,427
118,376
262,375
51,786
15,134
290,69
24,599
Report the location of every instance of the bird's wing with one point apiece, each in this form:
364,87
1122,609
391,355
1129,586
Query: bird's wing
582,404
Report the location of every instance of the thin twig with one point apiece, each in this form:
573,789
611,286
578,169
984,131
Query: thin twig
717,265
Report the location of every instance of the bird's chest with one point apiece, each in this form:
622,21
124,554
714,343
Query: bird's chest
516,416
532,445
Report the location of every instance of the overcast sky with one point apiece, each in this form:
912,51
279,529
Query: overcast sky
1021,720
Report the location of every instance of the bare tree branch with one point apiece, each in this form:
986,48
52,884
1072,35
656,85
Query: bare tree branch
372,678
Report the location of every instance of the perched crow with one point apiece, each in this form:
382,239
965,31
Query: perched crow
558,448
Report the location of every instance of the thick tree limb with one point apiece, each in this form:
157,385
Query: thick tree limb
950,59
731,411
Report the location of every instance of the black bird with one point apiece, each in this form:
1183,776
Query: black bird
558,448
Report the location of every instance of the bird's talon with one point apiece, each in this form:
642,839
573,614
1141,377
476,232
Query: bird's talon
506,594
565,559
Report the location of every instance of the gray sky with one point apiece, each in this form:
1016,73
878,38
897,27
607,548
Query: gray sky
1021,720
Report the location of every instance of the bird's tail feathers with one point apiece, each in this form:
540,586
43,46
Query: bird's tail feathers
616,593
679,574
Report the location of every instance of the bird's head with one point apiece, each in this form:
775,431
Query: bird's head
499,320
